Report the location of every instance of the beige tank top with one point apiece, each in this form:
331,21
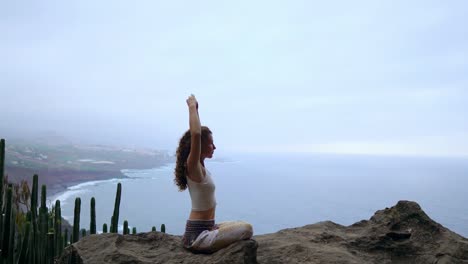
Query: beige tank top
202,193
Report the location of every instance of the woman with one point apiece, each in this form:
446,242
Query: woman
201,233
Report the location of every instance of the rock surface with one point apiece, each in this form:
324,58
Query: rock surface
401,234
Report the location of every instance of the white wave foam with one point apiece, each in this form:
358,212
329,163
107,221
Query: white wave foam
93,183
75,190
65,196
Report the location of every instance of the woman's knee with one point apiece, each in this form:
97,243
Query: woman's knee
248,230
239,229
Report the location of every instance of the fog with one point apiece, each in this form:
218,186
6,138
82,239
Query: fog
362,77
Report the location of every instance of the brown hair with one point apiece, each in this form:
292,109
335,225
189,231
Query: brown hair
183,150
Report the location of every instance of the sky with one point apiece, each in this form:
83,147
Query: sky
353,77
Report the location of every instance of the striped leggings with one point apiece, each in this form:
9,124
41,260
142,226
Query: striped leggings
205,236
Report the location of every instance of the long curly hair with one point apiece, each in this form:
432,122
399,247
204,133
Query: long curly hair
183,151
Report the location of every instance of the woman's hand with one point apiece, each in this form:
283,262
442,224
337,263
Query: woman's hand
192,101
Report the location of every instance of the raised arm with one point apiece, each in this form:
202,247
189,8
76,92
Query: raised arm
194,171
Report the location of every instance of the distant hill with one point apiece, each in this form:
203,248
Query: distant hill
60,163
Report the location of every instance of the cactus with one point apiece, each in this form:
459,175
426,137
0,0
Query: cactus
153,229
76,220
163,228
50,248
43,222
104,228
43,216
2,169
43,197
83,233
1,232
11,249
111,229
50,224
125,228
29,216
63,244
33,254
42,235
134,231
115,216
7,224
115,219
58,228
34,195
24,246
65,238
92,225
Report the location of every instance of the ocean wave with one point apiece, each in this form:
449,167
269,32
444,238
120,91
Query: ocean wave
75,190
67,195
92,183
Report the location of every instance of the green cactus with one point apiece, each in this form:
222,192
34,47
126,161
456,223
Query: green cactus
76,220
33,254
28,216
115,219
65,238
163,228
111,230
134,231
104,228
44,223
63,244
22,258
153,229
2,172
125,228
1,233
42,235
58,229
50,222
7,224
92,225
50,248
34,194
11,249
43,214
43,196
2,169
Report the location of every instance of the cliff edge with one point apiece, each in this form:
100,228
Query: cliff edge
400,234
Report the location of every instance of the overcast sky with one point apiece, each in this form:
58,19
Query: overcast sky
374,77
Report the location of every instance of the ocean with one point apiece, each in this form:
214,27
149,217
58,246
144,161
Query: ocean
278,191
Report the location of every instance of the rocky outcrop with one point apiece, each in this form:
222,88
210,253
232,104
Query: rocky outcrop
401,234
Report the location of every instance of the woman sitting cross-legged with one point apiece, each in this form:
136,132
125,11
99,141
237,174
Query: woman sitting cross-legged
201,232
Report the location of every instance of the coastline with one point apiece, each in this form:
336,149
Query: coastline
60,180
